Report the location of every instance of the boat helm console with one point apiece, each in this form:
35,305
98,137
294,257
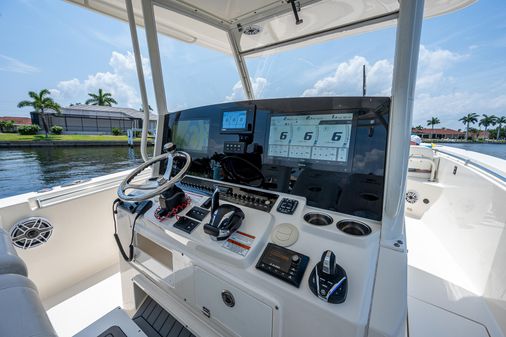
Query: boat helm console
254,229
330,150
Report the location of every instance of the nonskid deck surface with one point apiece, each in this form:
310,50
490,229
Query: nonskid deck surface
81,310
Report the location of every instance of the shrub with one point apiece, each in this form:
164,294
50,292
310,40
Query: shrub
7,126
28,129
56,130
117,131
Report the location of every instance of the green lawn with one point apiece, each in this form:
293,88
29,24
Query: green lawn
13,137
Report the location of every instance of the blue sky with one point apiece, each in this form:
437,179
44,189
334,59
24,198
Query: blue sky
72,51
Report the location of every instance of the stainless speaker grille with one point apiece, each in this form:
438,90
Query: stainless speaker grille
411,197
31,232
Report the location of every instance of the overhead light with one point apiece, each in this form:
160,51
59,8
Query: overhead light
251,29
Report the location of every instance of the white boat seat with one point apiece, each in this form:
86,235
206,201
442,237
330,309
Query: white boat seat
422,163
10,262
22,313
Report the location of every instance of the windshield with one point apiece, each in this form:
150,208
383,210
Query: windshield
333,68
194,75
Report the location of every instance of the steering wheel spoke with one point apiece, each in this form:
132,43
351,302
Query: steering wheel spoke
141,187
144,191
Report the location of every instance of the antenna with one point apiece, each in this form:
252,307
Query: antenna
364,81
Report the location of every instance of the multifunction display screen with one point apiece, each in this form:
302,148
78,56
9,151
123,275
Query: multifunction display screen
324,137
234,120
192,135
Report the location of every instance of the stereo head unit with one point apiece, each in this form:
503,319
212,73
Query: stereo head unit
284,264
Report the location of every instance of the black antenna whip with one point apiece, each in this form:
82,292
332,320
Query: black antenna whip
364,81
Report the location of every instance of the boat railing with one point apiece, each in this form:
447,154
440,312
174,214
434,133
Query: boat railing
488,168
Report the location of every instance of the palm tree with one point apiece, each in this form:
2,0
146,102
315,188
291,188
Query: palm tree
41,102
470,118
102,98
432,122
487,120
500,121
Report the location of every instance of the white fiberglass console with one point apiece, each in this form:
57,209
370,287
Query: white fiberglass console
277,227
196,273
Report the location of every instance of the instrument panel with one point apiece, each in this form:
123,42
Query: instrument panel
321,137
330,150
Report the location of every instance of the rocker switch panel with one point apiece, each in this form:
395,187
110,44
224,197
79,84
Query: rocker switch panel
287,206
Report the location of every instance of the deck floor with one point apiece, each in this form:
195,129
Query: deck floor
74,314
441,298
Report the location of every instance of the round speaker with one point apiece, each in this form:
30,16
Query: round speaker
411,197
31,232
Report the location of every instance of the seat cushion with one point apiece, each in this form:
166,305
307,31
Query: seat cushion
21,311
10,262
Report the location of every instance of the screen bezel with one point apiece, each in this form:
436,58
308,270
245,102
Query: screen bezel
250,121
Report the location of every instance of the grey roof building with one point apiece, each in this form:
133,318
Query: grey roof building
95,119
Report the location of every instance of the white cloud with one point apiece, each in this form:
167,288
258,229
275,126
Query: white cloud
13,65
121,82
431,67
436,60
449,107
121,63
437,93
347,79
258,83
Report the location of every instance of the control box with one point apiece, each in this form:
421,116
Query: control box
242,196
287,206
234,147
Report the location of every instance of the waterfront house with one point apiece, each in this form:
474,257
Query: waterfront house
442,133
18,121
95,119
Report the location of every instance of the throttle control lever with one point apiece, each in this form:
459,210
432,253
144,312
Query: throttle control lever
328,280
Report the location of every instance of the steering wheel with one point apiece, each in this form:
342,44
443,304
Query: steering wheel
161,184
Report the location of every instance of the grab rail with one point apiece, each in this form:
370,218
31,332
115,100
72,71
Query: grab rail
430,162
473,162
81,190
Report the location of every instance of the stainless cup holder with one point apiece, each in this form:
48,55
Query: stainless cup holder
352,227
318,219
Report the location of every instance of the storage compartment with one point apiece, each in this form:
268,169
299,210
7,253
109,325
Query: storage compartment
232,308
154,260
353,227
157,252
318,219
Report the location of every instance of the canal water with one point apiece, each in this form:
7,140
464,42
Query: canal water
32,169
495,150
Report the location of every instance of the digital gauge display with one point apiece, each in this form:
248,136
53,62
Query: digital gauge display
191,135
324,137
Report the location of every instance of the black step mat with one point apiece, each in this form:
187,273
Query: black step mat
154,321
113,331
